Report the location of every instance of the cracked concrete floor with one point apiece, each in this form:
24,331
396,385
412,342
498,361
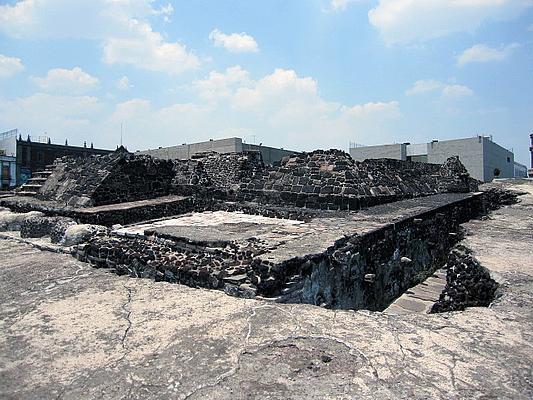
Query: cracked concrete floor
69,331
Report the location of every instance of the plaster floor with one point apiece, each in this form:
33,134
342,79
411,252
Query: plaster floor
69,331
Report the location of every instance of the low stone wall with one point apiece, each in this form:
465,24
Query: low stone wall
108,215
356,272
468,283
331,180
370,271
327,180
37,227
114,178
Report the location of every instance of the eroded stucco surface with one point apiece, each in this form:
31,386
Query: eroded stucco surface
70,331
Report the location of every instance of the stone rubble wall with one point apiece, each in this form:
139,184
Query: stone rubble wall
37,227
114,178
468,283
333,180
327,180
135,178
227,171
355,272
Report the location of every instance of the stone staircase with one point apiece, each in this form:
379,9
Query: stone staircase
34,184
420,298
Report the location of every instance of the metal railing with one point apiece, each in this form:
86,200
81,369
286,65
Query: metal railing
8,134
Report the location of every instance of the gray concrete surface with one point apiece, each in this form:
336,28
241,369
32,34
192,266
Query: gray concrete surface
479,154
394,151
69,331
228,145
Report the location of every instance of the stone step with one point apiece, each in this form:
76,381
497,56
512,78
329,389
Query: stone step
420,298
42,174
37,180
31,186
26,193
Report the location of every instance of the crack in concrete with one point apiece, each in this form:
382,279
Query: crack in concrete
125,308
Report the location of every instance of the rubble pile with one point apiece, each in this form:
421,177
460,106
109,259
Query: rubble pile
468,283
40,226
495,197
327,180
231,268
114,178
332,180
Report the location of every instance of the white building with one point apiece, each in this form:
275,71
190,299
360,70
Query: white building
483,158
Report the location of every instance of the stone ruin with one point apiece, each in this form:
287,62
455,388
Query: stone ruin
317,228
328,180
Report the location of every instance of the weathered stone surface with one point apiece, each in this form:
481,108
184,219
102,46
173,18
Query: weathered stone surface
70,331
77,234
114,178
39,226
468,284
324,261
10,221
328,180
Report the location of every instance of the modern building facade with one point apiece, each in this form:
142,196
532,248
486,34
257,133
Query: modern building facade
520,170
8,171
229,145
32,156
483,158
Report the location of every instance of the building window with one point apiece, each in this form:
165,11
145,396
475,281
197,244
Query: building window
509,159
496,172
40,157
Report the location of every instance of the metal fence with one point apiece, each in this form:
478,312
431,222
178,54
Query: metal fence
8,134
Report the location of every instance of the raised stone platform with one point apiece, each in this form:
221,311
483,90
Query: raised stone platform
337,260
70,331
120,213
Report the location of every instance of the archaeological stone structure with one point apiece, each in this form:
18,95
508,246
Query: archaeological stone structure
316,228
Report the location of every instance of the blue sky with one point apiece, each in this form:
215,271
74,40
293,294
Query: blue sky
300,74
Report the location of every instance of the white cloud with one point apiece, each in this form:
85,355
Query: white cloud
341,5
448,91
234,42
281,109
68,81
61,117
391,109
221,85
481,53
10,66
124,83
120,25
457,91
404,21
146,49
424,86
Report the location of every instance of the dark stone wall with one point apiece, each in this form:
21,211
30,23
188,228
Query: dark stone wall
468,283
115,178
333,180
135,178
326,180
228,171
356,272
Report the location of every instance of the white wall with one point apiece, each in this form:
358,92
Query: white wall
418,149
497,157
394,151
186,151
470,152
9,146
